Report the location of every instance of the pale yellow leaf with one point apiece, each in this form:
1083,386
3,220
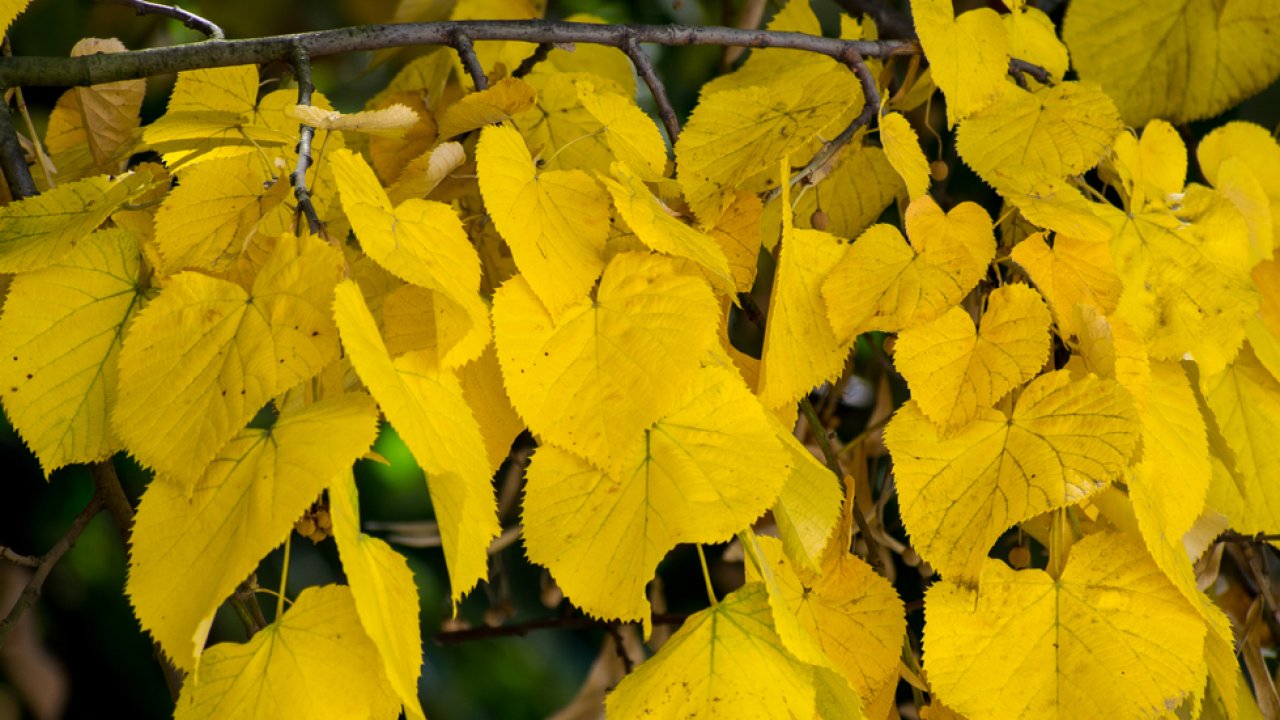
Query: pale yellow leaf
631,134
1072,272
62,328
391,121
969,55
500,101
192,544
1110,638
808,507
609,367
902,147
316,662
554,222
426,405
1064,440
955,370
738,234
204,356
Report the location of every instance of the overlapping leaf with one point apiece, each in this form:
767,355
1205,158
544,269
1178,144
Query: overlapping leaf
969,55
1073,272
1064,440
191,545
902,147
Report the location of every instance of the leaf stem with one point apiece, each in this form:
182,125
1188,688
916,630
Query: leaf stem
706,576
284,578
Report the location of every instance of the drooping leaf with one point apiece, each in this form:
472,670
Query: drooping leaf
62,328
425,403
482,386
706,469
808,507
1184,61
191,545
204,356
738,234
631,134
499,102
882,283
385,595
555,222
422,242
592,380
902,147
969,55
1110,638
390,121
212,113
316,661
691,679
92,129
956,370
1065,440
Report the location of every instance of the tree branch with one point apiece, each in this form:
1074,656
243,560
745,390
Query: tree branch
450,637
298,178
644,66
35,585
18,558
13,161
467,53
540,53
110,67
190,19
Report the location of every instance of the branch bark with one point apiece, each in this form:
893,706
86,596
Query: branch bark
110,67
13,161
298,178
190,19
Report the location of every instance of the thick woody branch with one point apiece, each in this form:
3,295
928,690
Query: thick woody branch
302,72
111,67
644,66
527,65
190,19
13,161
35,585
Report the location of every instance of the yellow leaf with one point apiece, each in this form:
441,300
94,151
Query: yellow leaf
38,231
691,679
734,134
482,386
969,55
1057,131
883,283
738,234
418,319
426,405
1110,638
501,101
9,10
315,661
1263,329
205,355
854,614
800,350
1183,61
902,147
560,129
859,188
705,470
99,120
808,507
955,371
385,595
391,121
61,329
212,113
425,172
555,222
607,62
1245,401
1032,37
655,226
1064,440
422,242
1238,184
212,215
1073,272
608,368
631,134
390,154
1251,146
243,506
1151,168
1111,348
1053,204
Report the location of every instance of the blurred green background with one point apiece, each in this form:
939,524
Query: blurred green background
87,648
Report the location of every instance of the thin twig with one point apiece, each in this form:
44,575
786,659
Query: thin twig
13,161
190,19
467,53
42,159
18,558
1259,538
245,602
614,631
110,67
644,66
540,53
31,592
1018,68
450,637
298,178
